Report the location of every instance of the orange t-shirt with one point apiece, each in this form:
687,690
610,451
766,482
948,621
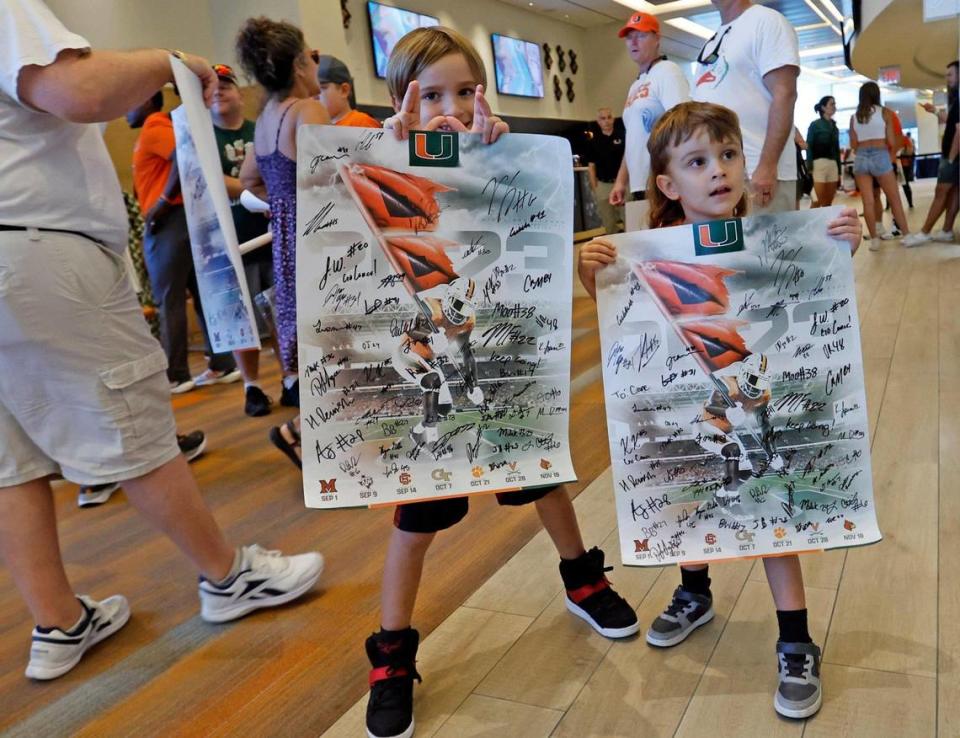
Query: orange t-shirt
897,135
151,160
359,119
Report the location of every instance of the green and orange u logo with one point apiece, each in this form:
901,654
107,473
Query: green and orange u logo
434,149
717,237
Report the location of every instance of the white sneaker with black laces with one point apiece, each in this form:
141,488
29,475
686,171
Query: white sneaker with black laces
265,579
54,652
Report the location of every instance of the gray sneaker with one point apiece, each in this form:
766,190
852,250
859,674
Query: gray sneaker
686,613
799,694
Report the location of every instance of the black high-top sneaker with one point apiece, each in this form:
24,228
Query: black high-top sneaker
590,596
390,709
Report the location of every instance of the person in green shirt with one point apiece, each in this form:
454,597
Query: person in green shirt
234,135
823,152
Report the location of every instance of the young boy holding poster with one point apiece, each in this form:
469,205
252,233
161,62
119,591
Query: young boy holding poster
697,174
436,80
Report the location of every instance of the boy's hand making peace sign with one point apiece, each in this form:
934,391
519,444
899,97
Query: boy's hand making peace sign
408,118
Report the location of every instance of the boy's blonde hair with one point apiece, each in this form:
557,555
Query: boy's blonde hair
674,127
425,46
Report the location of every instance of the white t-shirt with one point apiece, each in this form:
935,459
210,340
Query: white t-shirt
652,94
758,41
54,174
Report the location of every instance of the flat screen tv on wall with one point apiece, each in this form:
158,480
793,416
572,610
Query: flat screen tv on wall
387,26
517,64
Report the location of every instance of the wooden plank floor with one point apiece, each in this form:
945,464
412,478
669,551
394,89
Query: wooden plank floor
501,656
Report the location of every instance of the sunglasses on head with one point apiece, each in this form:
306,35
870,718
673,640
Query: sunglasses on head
222,70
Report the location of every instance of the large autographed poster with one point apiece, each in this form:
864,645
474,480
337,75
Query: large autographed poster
434,289
227,309
734,389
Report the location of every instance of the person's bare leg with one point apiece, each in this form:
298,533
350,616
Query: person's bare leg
248,362
401,577
892,190
941,196
170,499
785,578
560,521
31,550
865,185
953,205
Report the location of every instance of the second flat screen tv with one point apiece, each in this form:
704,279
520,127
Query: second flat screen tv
517,63
387,26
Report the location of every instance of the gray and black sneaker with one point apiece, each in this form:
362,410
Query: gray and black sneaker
91,495
685,613
799,694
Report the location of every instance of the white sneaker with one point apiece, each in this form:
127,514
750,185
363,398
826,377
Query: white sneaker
55,652
916,239
266,579
209,377
96,494
874,244
178,388
885,236
943,236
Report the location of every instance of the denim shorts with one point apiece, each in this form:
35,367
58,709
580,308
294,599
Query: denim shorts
948,173
875,162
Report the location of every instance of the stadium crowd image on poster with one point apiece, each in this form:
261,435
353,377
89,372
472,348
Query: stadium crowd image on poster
434,301
734,390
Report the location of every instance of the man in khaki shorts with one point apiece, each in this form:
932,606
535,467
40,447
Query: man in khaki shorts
750,65
83,390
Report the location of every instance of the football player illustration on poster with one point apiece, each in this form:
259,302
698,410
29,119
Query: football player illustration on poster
444,327
724,419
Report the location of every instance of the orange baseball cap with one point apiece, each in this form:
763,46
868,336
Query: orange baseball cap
640,22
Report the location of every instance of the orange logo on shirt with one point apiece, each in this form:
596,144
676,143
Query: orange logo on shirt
707,78
642,92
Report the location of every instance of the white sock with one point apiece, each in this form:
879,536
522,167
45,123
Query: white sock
248,385
288,382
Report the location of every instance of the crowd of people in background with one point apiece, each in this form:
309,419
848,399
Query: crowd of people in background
733,131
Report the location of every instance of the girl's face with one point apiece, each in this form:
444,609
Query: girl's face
305,71
707,177
447,87
830,108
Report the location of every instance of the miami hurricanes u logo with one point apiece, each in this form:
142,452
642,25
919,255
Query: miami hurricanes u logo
421,148
718,237
730,235
434,149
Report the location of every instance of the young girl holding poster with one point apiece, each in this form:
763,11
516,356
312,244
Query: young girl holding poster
436,80
697,174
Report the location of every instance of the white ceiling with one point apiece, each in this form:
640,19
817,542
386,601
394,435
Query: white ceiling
692,21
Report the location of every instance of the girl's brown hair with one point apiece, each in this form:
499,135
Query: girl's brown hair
674,127
425,46
268,51
869,96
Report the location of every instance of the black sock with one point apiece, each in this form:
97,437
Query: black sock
392,635
696,580
793,626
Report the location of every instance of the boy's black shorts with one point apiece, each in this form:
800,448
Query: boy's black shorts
431,516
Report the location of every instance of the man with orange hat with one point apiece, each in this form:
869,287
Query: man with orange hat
659,86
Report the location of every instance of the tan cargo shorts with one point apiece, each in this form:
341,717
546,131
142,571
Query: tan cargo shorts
83,386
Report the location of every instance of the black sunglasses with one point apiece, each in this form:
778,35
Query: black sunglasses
715,54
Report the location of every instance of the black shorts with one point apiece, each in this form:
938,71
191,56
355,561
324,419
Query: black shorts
431,516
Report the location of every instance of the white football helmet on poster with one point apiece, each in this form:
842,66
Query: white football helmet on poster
457,303
754,376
